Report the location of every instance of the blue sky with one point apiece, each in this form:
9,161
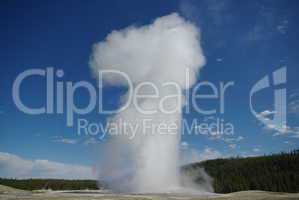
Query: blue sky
242,42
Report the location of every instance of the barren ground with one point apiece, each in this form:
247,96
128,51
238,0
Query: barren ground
10,193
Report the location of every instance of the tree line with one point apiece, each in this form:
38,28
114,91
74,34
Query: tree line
277,172
53,184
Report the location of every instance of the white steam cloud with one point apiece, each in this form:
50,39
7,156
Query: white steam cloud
160,52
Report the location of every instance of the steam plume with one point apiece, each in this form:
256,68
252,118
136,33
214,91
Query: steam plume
159,52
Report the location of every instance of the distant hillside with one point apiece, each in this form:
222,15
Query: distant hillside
279,173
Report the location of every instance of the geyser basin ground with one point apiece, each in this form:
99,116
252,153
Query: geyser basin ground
10,193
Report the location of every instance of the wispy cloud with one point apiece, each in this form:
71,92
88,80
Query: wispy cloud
220,135
282,27
269,24
65,141
293,105
15,166
90,141
184,145
233,139
256,149
266,116
219,59
191,155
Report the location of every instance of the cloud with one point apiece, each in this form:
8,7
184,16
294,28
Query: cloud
293,105
230,140
266,113
208,154
265,27
295,131
65,141
13,166
90,141
184,145
256,150
233,139
217,133
225,138
219,59
284,130
192,155
289,143
294,94
282,27
276,129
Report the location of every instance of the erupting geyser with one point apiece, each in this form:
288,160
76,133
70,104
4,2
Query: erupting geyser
161,53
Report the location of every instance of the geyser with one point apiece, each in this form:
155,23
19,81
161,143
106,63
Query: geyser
159,53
